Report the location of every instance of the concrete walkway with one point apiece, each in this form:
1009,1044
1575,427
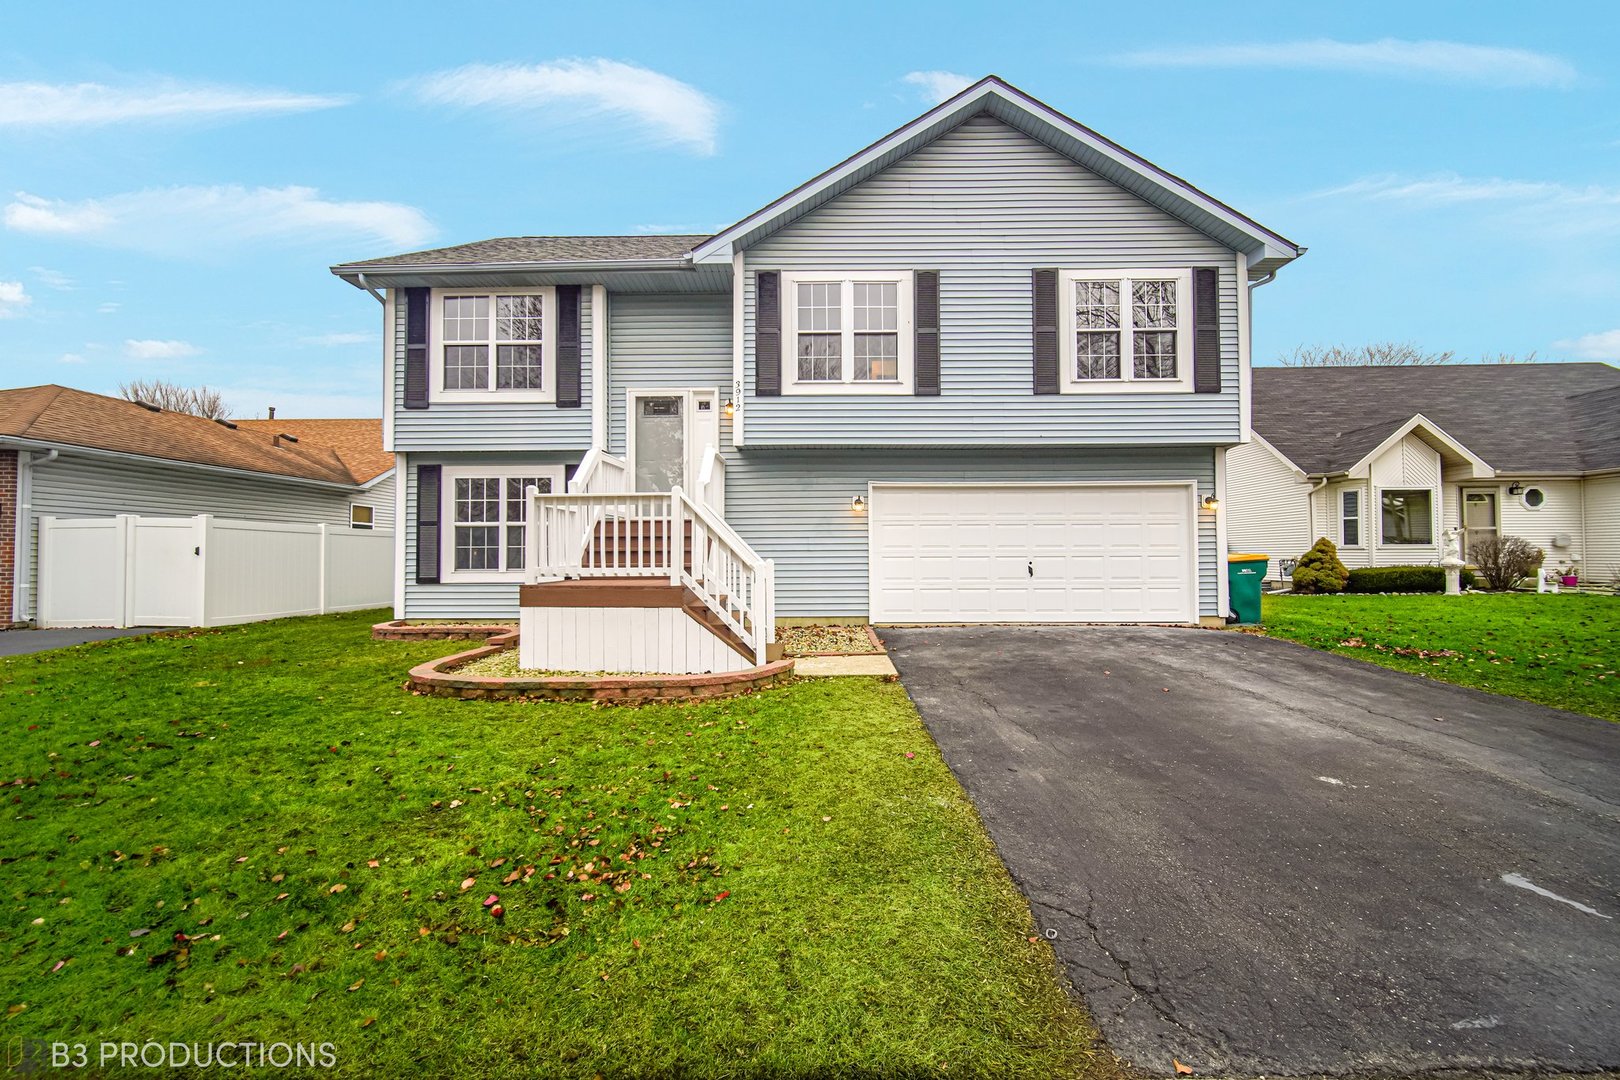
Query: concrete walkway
23,642
816,667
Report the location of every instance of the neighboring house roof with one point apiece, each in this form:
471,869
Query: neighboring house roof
531,250
358,442
61,416
1266,250
1519,418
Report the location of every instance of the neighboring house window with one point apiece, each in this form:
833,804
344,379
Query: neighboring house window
1533,498
1408,517
495,343
848,334
1350,533
487,518
360,516
1127,330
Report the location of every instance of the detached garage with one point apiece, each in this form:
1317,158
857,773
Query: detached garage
1036,552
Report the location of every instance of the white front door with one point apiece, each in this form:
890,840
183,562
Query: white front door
668,431
1033,553
1479,519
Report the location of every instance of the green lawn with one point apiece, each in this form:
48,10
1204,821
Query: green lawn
255,834
1561,650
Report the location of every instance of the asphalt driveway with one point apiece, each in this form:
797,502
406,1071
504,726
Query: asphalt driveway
1257,858
23,642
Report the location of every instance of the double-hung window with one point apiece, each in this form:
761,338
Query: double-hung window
1350,517
847,333
495,344
1126,330
487,517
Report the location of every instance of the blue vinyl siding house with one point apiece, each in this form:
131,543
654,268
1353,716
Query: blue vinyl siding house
986,369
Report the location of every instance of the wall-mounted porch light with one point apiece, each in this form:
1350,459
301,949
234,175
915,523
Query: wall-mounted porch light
1515,489
858,504
1211,504
730,407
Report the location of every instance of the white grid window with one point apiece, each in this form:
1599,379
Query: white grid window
495,343
850,334
1350,520
489,519
1127,330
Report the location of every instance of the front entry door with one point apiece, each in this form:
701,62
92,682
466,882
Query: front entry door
1478,519
660,441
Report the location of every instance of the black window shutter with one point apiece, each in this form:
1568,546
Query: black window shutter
568,347
927,331
1206,330
768,333
428,484
416,358
1046,331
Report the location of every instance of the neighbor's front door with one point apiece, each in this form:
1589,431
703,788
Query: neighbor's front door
1478,519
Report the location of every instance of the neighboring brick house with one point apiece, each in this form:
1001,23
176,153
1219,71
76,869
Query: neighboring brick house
73,454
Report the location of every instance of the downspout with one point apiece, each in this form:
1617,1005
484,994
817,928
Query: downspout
1310,508
22,570
381,299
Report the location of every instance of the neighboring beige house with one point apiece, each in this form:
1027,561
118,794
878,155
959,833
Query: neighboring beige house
1380,460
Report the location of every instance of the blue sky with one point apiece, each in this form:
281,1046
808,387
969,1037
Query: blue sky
175,179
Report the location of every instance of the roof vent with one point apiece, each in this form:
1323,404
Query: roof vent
275,440
147,405
222,422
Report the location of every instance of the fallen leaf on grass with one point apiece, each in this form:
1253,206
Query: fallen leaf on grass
368,1021
373,863
339,887
1182,1069
361,982
468,883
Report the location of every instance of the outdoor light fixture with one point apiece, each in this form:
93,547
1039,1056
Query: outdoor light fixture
858,504
1515,489
1211,503
730,407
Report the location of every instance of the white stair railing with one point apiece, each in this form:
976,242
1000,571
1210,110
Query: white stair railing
711,485
655,534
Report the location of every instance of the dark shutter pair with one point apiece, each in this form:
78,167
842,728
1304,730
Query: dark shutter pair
1206,331
568,347
768,333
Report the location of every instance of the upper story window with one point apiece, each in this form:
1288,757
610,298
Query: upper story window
847,333
494,343
1126,330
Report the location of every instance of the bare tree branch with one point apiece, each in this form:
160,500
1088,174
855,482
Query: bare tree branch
198,401
1385,354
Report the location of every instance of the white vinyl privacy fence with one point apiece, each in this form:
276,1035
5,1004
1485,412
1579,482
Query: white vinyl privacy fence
205,571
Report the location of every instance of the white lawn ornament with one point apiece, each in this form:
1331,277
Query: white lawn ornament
1451,560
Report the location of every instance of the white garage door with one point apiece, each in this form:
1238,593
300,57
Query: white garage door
1033,553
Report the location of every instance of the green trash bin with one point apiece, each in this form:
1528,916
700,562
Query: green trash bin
1244,573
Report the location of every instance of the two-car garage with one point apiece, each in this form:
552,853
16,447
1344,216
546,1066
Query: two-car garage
1037,552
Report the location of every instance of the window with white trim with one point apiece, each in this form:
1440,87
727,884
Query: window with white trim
1350,517
494,343
1126,330
361,516
1408,516
486,517
847,333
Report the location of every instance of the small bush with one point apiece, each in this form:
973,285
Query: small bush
1504,561
1402,579
1319,569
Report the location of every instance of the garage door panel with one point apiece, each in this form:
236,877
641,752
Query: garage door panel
1118,553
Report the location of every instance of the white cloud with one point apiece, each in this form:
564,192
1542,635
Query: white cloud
70,358
182,220
1543,206
583,93
936,86
40,104
53,278
1601,346
153,349
108,308
1444,61
13,298
338,339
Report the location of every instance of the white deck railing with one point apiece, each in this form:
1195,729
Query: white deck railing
600,471
669,535
711,484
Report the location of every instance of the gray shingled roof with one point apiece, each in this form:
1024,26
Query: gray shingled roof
542,249
1521,418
